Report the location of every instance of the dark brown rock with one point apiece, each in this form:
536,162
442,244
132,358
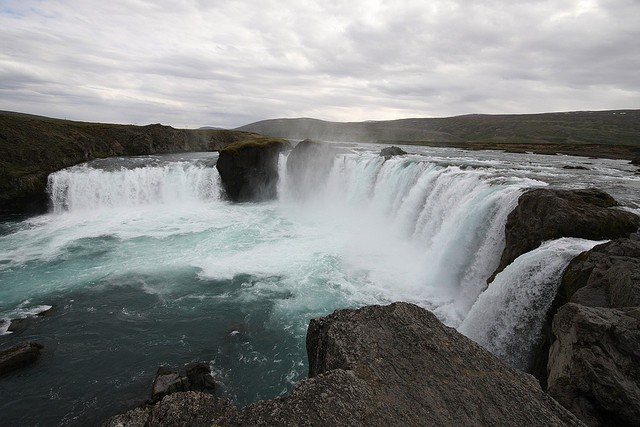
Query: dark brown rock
249,169
594,364
19,356
544,214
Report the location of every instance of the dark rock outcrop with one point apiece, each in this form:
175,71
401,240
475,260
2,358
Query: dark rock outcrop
19,356
382,366
594,361
249,169
196,377
606,276
544,214
32,147
308,166
388,152
594,364
191,408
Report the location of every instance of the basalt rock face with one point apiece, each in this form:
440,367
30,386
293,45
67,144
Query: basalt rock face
594,361
606,276
249,169
32,147
384,366
308,166
594,367
544,214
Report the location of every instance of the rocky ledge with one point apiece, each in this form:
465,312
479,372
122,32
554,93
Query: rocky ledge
594,360
249,169
379,366
546,213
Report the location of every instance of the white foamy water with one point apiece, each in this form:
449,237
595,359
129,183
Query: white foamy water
148,246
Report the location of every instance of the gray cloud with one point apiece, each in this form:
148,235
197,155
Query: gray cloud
194,63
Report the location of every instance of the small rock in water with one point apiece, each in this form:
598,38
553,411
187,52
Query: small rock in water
389,152
196,377
19,356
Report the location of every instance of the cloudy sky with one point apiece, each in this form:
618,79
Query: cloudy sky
191,63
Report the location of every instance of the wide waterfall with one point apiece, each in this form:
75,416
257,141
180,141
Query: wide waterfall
144,263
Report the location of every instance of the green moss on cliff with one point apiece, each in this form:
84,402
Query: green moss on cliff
254,142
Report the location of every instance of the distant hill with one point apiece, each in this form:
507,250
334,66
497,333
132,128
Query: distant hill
618,127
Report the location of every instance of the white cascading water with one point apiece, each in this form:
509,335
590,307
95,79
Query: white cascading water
507,318
84,187
450,220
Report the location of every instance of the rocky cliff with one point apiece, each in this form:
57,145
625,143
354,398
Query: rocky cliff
594,361
546,213
32,147
249,169
380,366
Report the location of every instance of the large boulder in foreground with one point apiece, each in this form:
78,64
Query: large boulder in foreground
387,366
249,169
594,366
545,214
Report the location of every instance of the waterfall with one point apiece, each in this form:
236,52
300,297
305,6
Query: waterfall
507,318
453,217
85,187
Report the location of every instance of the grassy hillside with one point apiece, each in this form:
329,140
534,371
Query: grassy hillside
31,147
610,133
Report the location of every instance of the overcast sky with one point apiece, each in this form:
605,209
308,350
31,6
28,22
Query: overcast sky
191,63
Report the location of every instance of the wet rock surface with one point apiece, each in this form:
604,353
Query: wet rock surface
382,366
19,356
594,361
249,169
544,214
